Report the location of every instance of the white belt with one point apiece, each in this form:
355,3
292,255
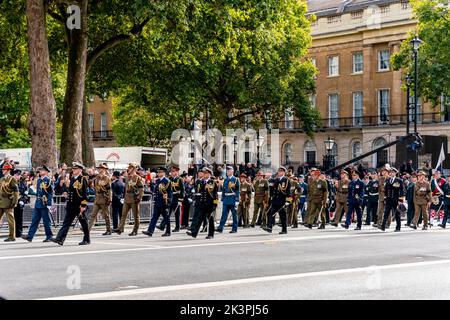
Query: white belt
197,194
373,194
230,194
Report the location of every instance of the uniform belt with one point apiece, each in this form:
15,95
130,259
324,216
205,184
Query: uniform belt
373,194
197,194
302,196
230,194
176,192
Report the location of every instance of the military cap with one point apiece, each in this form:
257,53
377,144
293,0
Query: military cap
282,169
393,170
103,166
260,173
243,175
314,170
421,173
301,176
133,165
17,171
44,167
175,168
355,173
344,172
295,178
162,168
77,165
63,166
184,174
116,174
7,166
230,168
206,169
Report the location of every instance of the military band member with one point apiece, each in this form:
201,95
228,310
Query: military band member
302,198
261,187
381,200
187,200
372,189
9,196
177,187
296,191
134,191
44,200
446,190
230,200
280,198
207,204
244,201
197,186
341,198
76,205
422,200
318,196
410,200
162,199
437,184
394,196
103,197
355,198
23,199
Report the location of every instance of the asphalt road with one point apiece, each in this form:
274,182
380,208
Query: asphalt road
304,264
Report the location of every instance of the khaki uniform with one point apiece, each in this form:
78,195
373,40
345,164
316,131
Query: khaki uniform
341,200
260,201
103,198
318,195
422,196
381,203
292,210
244,202
9,196
134,190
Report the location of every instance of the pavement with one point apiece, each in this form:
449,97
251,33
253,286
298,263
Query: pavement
304,264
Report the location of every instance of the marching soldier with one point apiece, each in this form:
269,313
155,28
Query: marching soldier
197,186
303,196
296,191
318,196
230,200
207,204
355,198
244,201
280,198
134,190
103,197
446,190
177,196
437,184
422,200
341,198
9,196
394,196
261,187
410,200
76,205
163,198
187,200
381,199
372,190
44,199
23,199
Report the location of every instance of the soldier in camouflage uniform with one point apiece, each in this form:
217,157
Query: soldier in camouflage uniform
296,192
103,198
261,187
244,201
341,198
318,195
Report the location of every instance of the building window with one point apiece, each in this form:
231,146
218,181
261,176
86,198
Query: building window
315,23
357,14
314,63
383,60
333,110
357,108
419,109
385,9
383,106
310,153
287,153
312,100
103,128
91,121
405,5
334,19
356,149
333,66
381,157
288,119
334,158
358,62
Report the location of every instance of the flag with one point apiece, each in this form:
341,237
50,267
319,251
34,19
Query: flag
441,157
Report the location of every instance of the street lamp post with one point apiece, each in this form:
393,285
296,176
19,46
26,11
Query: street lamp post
329,144
235,150
259,141
408,101
415,43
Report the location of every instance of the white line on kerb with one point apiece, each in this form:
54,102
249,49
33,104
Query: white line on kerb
124,293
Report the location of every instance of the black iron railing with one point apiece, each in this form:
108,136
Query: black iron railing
102,135
366,121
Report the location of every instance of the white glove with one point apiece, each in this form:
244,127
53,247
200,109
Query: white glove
49,208
236,205
21,203
122,201
286,204
26,193
190,200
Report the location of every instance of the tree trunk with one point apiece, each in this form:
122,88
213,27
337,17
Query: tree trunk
71,146
88,146
42,119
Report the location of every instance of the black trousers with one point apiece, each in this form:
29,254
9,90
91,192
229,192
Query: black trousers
205,213
185,216
116,214
410,213
18,217
277,208
392,207
71,214
371,210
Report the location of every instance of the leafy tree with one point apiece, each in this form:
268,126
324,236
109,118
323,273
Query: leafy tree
434,54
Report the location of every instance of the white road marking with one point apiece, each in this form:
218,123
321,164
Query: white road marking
210,244
118,294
